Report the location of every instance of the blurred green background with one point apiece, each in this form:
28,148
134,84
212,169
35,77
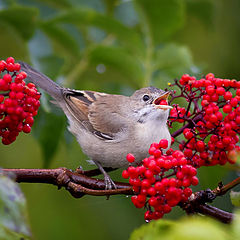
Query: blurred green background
115,47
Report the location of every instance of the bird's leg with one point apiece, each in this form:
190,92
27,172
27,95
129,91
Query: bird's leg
109,184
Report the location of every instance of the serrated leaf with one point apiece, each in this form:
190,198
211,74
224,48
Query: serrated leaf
88,17
48,130
61,39
119,59
13,212
22,18
161,18
235,198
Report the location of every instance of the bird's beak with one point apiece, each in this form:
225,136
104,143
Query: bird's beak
161,102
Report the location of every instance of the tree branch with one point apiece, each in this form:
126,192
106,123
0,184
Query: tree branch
197,204
76,183
214,212
79,183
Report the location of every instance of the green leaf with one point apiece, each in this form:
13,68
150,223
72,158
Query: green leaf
23,19
176,59
235,225
13,211
61,4
48,130
235,198
197,228
209,177
61,39
51,65
161,18
202,9
88,17
110,5
121,60
171,61
153,230
12,44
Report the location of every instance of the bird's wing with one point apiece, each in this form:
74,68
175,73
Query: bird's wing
89,108
108,119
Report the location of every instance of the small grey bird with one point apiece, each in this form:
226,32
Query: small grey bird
107,126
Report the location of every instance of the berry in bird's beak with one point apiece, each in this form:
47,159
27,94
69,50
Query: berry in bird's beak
161,102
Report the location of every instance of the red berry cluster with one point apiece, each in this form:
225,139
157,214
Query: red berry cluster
177,113
161,181
214,124
19,102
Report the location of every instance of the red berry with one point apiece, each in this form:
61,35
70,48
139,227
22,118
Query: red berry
130,157
210,90
146,183
200,146
125,174
194,181
7,78
159,187
151,150
167,208
163,143
186,182
3,65
227,108
227,95
151,191
148,173
26,128
220,91
234,102
17,67
213,118
187,192
10,60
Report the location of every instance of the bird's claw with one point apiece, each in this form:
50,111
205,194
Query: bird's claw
109,183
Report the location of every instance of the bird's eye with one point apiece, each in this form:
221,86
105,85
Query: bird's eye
146,98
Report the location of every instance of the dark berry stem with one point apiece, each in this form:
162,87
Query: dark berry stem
188,125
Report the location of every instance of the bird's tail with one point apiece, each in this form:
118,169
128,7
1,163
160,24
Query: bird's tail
42,81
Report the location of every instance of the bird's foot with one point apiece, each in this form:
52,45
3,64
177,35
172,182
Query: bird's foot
109,183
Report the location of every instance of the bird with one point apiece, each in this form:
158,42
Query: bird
108,126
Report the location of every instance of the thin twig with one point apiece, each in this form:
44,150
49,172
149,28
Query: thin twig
222,189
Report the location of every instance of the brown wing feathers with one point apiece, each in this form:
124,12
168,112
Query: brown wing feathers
77,103
89,109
